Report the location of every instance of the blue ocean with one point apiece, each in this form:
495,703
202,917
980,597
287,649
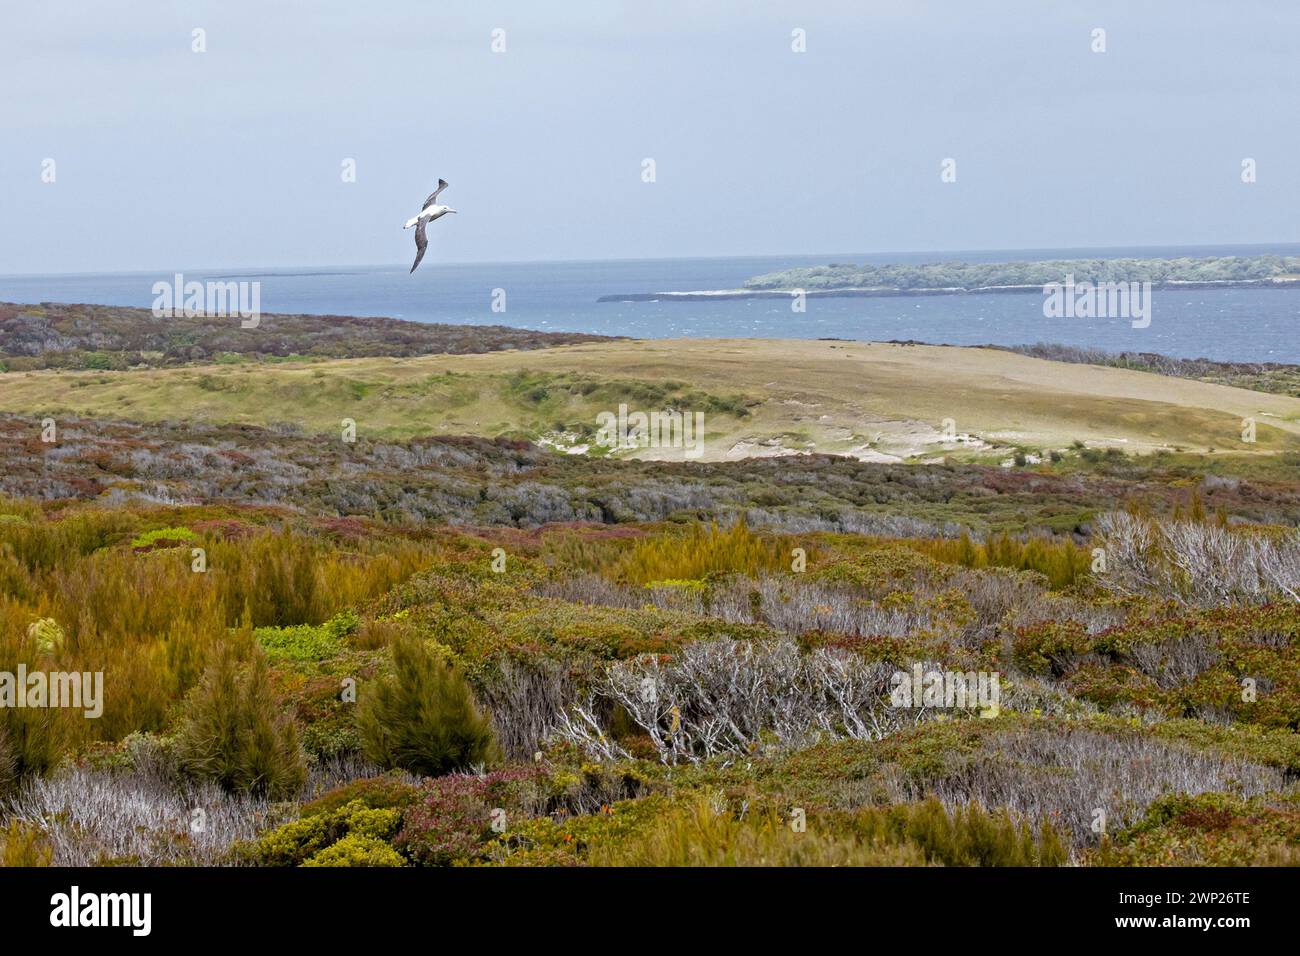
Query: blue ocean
1246,325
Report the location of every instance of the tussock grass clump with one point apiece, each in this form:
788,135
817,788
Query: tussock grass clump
8,765
919,834
703,550
422,717
32,739
1062,562
234,733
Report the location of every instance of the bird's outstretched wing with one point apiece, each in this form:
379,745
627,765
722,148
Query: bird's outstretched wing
433,196
421,243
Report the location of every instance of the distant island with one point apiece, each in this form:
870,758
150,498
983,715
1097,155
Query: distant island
965,278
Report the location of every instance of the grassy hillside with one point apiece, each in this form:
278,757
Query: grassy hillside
876,402
1278,378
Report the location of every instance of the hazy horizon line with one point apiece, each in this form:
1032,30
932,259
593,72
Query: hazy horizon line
280,269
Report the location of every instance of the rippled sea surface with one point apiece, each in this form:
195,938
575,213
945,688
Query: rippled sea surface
1226,324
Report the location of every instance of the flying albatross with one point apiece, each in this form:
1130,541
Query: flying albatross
430,212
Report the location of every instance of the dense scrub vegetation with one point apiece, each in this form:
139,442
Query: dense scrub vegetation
296,683
103,337
462,651
983,275
475,481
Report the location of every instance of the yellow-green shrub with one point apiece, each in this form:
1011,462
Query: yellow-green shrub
1062,562
22,844
296,842
702,550
357,850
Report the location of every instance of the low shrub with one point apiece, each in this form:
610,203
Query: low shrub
450,823
700,833
356,849
1209,829
24,845
422,717
163,538
297,842
306,642
455,815
389,792
234,733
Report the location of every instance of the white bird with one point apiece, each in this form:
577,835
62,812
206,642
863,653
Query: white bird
430,212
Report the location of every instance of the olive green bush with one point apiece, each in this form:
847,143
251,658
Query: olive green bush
234,732
422,717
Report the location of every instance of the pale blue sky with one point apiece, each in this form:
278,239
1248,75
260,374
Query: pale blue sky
167,159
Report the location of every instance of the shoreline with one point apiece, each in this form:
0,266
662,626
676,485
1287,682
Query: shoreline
865,292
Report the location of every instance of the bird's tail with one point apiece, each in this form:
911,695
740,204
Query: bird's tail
411,222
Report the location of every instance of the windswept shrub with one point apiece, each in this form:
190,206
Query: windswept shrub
1064,770
234,733
728,697
1201,563
523,697
422,717
1209,829
1192,663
